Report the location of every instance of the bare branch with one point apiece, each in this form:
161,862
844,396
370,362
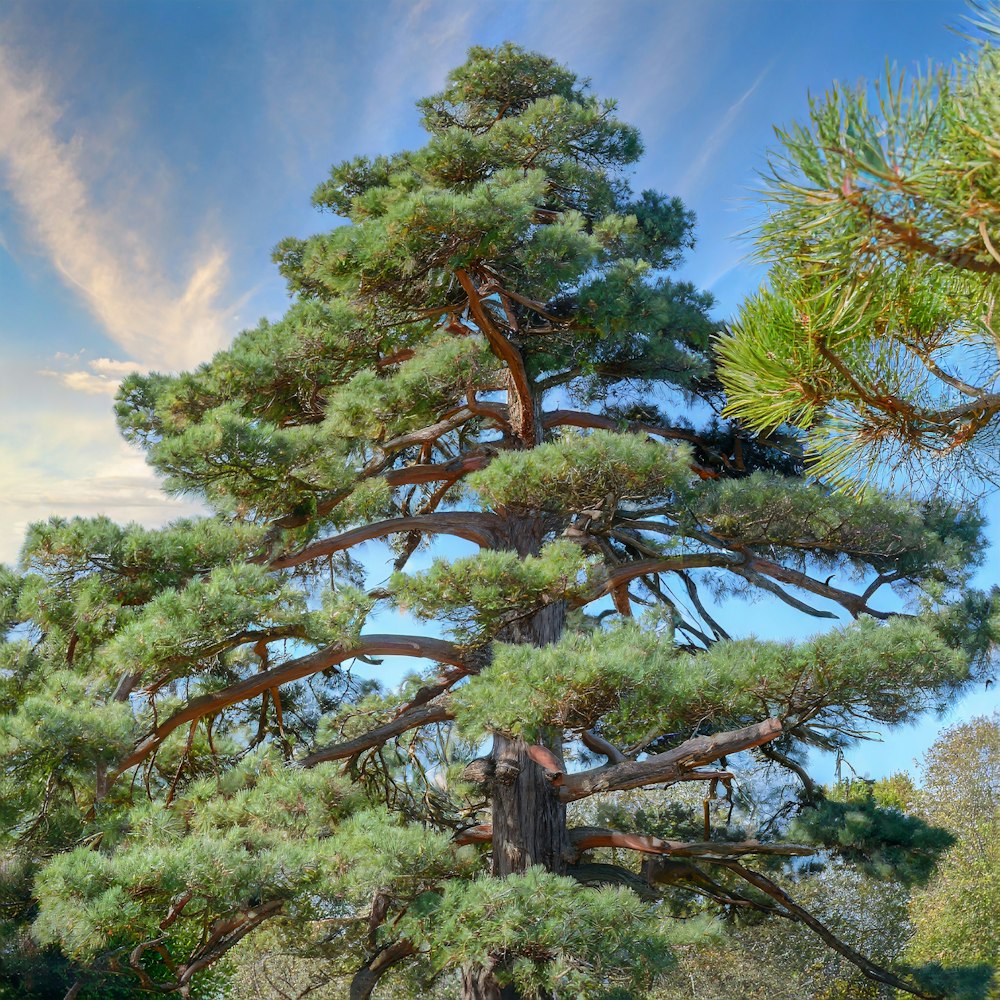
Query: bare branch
587,838
470,525
598,744
423,715
366,978
670,766
799,914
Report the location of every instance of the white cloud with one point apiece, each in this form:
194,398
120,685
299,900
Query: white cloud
104,252
101,377
61,454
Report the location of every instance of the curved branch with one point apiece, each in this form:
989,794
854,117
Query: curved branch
783,760
522,415
472,526
845,598
758,580
671,765
580,418
423,715
643,567
598,744
323,659
592,873
366,978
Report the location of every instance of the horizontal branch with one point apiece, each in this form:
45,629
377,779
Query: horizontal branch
669,766
293,670
470,525
622,574
581,418
587,838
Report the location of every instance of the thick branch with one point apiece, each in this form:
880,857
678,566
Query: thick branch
598,874
621,575
672,765
366,978
580,418
587,838
522,415
598,744
472,526
323,659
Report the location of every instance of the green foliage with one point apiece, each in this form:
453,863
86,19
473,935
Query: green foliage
558,936
884,843
483,593
578,472
956,917
158,802
874,531
874,332
629,682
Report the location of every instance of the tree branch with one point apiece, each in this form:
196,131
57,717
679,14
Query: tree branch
587,838
670,766
620,575
598,744
366,978
593,873
580,418
523,414
470,525
323,659
423,715
797,913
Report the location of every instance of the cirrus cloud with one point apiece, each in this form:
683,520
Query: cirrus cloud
105,252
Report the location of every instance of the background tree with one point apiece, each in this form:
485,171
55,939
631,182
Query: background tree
480,354
957,916
877,329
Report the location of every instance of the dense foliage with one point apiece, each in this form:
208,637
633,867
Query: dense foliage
487,348
877,328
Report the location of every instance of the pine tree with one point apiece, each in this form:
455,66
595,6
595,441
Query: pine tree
877,330
488,349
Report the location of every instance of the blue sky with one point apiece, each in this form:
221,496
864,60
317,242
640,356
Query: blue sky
152,153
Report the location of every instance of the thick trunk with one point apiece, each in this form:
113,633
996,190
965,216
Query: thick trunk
529,820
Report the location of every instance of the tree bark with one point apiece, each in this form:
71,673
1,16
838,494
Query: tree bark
478,983
529,819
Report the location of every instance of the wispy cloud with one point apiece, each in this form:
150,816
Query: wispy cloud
699,169
103,252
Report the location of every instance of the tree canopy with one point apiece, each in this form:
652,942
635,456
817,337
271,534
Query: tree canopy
486,347
877,329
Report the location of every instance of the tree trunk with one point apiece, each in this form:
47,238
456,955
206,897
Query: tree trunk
478,984
529,821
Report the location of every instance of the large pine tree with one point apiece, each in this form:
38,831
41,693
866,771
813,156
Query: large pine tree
488,350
